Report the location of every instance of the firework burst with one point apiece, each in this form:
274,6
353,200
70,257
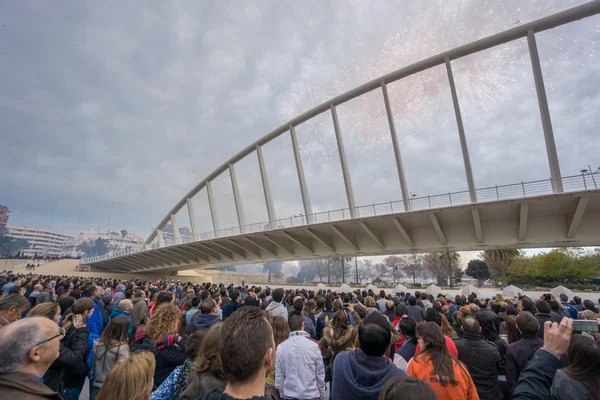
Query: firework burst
417,100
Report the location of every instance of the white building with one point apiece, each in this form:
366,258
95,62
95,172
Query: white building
44,242
116,241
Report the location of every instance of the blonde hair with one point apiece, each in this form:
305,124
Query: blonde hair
164,321
47,310
131,378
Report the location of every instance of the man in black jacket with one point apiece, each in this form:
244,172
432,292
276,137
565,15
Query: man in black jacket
536,380
414,311
325,317
481,358
233,305
544,314
520,352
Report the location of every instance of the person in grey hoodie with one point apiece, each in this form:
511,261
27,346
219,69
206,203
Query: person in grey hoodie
278,309
139,315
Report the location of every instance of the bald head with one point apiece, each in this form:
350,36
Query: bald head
389,305
126,305
470,325
20,348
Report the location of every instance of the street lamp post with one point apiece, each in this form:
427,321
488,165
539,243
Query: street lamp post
583,171
412,196
591,173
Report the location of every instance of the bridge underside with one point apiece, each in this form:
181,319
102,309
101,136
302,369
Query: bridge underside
568,219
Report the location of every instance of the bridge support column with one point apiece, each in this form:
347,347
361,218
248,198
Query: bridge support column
345,171
176,233
161,240
266,189
557,186
192,216
213,208
396,146
238,200
461,134
310,218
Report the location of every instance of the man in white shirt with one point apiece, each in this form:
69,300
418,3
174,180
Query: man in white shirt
299,370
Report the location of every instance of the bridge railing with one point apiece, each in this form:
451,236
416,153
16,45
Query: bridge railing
575,183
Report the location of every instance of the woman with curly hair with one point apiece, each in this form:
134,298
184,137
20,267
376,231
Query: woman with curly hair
208,374
160,336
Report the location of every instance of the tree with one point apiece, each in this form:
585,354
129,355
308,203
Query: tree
391,267
364,271
436,267
321,268
308,271
479,270
272,267
339,268
96,248
450,260
412,265
500,260
10,245
123,233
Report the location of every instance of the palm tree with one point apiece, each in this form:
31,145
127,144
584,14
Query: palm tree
450,258
500,260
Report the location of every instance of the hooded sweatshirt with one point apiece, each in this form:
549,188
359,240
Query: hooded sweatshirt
201,321
278,309
117,312
358,376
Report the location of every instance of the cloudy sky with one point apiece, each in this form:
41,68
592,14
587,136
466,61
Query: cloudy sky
129,104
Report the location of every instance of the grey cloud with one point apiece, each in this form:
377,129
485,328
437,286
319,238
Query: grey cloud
136,102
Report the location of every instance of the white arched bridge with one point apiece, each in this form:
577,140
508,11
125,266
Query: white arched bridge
559,211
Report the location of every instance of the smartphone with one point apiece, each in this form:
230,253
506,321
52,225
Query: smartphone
585,325
547,297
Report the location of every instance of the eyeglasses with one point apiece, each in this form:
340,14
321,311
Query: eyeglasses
61,332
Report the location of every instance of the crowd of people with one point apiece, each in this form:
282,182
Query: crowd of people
145,340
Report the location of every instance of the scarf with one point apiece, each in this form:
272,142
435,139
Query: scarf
184,377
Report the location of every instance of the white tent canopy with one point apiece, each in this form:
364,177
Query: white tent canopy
512,291
557,291
399,288
372,287
345,288
468,289
321,286
433,290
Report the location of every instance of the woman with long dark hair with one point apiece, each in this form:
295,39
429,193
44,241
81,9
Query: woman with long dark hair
407,326
512,332
447,376
111,347
208,374
581,378
489,333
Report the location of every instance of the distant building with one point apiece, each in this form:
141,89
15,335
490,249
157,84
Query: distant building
46,242
116,241
169,236
3,217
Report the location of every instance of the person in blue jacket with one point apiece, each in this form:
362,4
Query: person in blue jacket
124,309
95,322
